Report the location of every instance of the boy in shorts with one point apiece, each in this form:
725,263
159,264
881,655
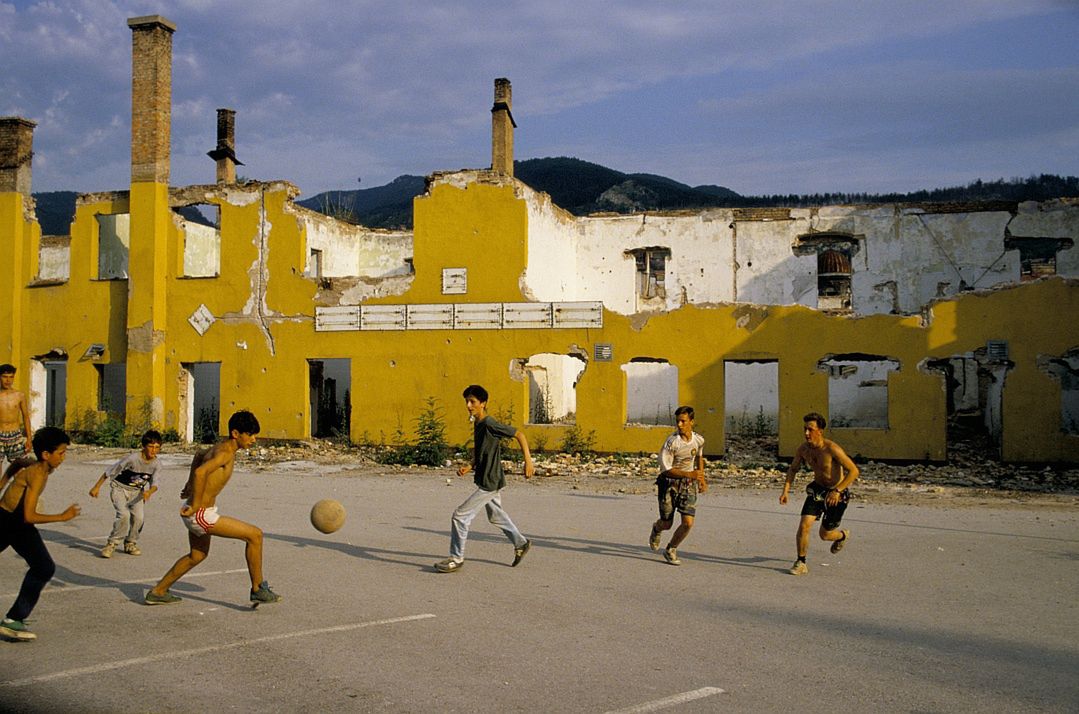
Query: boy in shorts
18,520
681,478
14,418
131,485
827,494
210,472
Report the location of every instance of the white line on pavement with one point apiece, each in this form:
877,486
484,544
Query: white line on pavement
669,702
72,588
106,666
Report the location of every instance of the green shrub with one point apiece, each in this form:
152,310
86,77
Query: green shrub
577,442
430,447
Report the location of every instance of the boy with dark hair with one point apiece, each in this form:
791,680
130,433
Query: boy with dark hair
681,477
827,494
18,520
14,417
210,472
131,485
489,480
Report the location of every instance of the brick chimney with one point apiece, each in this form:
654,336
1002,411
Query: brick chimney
151,97
225,153
16,150
502,126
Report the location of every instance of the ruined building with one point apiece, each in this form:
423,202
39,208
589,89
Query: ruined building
182,304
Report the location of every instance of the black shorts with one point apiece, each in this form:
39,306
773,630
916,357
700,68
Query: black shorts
814,505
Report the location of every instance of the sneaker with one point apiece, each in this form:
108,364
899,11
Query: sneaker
106,552
16,630
264,594
449,565
671,556
132,549
653,539
799,568
520,553
837,545
154,599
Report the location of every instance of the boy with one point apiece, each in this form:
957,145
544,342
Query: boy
489,480
18,518
131,485
210,472
827,494
14,417
681,478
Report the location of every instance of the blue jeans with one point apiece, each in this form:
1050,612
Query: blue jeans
462,517
129,514
25,540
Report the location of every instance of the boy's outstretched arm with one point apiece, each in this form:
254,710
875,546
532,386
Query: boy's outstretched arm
530,468
96,488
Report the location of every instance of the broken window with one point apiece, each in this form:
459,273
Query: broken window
1037,256
54,259
751,397
834,254
858,390
112,388
651,391
200,224
113,241
651,266
1066,370
552,388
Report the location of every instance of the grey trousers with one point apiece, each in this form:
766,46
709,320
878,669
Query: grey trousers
462,517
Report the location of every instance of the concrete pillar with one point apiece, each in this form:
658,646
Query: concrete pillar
16,236
225,153
151,220
502,126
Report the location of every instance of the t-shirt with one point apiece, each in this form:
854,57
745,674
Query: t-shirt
487,436
133,472
677,453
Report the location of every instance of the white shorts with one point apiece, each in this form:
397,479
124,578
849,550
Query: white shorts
202,521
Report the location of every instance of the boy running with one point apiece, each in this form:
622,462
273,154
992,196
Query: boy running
18,518
827,494
131,485
681,478
489,480
210,473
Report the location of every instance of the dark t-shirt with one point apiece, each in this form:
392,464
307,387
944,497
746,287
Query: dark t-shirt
487,436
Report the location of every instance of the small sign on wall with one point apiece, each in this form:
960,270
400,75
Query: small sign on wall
454,281
603,352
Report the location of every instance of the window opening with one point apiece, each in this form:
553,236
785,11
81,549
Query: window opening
751,397
201,227
858,390
833,280
1037,256
651,265
114,240
200,400
330,384
112,388
552,388
651,391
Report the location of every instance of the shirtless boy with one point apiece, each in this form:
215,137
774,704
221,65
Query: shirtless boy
827,495
210,472
14,417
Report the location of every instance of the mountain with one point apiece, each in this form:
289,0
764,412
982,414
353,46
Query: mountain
388,206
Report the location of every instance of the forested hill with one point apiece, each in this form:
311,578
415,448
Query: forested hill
581,188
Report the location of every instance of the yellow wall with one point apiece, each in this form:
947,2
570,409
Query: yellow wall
264,334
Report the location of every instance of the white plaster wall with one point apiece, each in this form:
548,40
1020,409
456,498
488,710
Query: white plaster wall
202,250
769,273
551,275
651,392
859,398
54,260
356,251
751,389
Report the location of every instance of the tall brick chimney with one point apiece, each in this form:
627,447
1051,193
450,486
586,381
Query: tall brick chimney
502,126
225,153
16,150
151,97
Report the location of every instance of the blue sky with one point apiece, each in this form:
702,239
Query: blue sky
762,97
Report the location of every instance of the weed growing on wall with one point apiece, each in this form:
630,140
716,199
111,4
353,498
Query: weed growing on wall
577,442
430,447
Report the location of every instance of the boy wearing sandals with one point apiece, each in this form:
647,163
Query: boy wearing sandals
681,478
827,494
210,472
489,480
